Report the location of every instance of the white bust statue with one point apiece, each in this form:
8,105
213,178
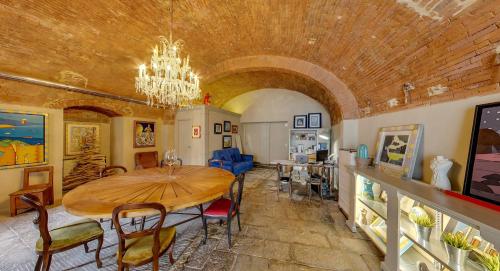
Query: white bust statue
440,167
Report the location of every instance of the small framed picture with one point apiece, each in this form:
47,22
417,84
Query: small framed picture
300,121
197,131
144,134
314,120
227,141
217,128
227,126
234,129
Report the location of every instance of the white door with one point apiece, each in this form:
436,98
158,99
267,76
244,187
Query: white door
184,141
256,141
278,141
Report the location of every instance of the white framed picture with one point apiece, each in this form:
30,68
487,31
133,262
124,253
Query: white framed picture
398,149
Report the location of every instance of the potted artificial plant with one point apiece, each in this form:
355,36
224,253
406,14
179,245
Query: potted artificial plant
489,262
423,225
457,248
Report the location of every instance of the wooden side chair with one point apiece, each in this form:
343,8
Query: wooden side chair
316,174
112,170
225,209
284,177
146,160
141,247
64,238
44,191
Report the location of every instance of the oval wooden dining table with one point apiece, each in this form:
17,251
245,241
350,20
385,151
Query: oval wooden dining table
187,186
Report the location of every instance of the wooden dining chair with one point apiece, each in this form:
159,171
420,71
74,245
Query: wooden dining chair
140,247
284,176
64,238
44,191
112,170
146,160
225,209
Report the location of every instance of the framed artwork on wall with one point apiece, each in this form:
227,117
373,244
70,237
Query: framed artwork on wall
227,126
23,139
217,128
482,177
398,149
144,134
196,131
300,121
314,120
227,141
78,135
234,129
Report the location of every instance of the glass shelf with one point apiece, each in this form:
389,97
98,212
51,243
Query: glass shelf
378,207
435,248
408,261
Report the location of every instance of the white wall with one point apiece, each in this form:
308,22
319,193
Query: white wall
196,116
204,116
447,131
216,115
270,105
11,180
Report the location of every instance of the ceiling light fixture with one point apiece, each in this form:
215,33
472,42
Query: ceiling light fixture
172,83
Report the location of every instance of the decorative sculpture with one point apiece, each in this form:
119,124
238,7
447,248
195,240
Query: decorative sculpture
362,151
440,167
407,88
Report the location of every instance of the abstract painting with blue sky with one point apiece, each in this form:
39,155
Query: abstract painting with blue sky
22,138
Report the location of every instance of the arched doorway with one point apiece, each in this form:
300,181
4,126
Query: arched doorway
87,144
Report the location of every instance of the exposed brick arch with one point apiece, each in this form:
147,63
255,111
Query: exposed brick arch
344,97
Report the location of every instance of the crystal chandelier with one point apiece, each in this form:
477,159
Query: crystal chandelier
172,83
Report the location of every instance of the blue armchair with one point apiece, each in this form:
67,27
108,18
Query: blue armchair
231,160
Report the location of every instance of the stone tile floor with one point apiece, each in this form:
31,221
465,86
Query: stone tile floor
276,235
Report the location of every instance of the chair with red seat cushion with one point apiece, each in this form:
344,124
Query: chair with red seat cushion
225,209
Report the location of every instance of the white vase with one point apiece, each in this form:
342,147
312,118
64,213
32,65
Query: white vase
440,167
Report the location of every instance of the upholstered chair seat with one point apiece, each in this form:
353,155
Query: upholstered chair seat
139,249
219,207
147,245
225,209
72,234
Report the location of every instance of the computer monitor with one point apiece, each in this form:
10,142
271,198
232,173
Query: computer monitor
321,155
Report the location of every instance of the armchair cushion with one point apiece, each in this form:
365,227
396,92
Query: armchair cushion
140,249
71,234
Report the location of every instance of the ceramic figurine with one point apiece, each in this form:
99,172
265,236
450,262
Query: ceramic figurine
440,167
364,221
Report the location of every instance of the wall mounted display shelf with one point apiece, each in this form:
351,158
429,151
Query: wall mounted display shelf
381,204
308,141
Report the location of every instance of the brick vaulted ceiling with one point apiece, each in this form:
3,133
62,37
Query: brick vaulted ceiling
370,46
